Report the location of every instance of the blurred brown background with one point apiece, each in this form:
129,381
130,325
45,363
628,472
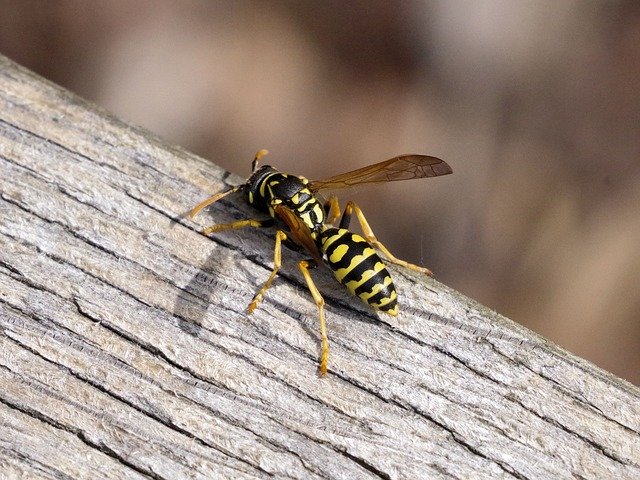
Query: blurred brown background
535,104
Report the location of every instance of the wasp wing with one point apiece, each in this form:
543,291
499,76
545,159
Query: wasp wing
403,167
298,231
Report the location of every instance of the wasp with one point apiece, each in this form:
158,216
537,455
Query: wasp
304,221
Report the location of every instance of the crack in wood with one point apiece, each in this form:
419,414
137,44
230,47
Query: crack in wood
82,250
81,436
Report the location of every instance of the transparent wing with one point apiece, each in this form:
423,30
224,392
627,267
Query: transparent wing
403,167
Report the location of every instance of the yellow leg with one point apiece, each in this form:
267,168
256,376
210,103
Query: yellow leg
368,233
332,209
280,236
324,357
236,225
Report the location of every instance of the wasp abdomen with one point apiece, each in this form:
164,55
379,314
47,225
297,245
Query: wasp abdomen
358,267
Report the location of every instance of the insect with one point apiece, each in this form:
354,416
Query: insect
303,221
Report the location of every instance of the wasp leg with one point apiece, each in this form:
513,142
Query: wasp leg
222,227
280,236
331,209
304,266
368,233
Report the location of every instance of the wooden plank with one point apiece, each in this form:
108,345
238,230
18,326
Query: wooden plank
126,349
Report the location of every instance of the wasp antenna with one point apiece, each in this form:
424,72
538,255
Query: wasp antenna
259,154
211,200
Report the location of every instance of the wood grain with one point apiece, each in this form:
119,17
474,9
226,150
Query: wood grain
126,352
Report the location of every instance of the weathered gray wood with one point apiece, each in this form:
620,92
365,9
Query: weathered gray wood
126,350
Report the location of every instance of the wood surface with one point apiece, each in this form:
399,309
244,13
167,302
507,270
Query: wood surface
126,350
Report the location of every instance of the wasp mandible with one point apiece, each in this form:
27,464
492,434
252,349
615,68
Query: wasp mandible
304,222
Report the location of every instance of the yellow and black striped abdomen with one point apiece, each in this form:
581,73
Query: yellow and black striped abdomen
358,267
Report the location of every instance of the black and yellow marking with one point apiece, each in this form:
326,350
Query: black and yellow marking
291,191
358,267
304,223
